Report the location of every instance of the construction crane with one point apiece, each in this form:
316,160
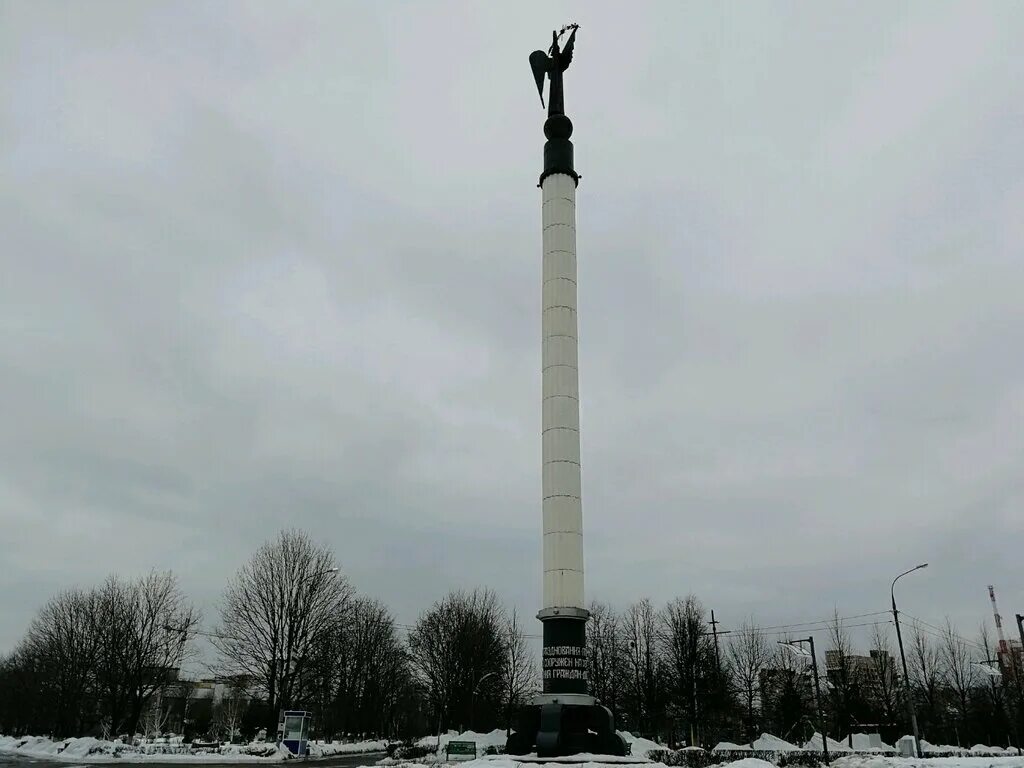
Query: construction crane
1004,650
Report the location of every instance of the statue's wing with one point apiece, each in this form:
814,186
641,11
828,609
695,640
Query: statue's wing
540,63
567,51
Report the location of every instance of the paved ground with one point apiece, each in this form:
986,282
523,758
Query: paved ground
339,761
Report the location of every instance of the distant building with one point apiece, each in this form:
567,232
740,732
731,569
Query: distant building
875,674
190,704
859,666
772,681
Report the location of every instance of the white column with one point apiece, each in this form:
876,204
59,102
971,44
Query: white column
563,511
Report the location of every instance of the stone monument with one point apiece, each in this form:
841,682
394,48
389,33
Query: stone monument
564,720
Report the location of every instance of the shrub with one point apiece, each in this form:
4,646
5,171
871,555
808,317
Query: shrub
411,752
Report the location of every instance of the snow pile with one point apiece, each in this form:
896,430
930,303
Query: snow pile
88,749
431,742
327,749
582,760
938,749
495,738
639,747
880,761
68,749
241,752
764,743
728,746
834,747
768,743
749,762
868,742
986,751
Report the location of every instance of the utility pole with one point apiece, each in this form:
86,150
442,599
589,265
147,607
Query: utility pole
908,694
794,645
714,631
1020,672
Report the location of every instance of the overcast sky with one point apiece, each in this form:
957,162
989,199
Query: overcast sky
278,264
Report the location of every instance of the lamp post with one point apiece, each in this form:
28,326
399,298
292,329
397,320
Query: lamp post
903,658
794,646
472,701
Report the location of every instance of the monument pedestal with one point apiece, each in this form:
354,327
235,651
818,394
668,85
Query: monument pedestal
556,726
564,720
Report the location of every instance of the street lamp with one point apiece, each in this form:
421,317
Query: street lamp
472,704
795,647
903,658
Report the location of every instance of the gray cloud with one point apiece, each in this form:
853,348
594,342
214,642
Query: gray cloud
269,266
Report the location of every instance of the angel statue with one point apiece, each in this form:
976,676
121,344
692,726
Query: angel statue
554,63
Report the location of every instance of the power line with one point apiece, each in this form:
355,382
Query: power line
942,633
823,629
825,624
830,620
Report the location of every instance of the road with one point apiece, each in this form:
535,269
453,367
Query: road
338,761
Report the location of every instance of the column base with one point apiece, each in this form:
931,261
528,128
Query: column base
551,728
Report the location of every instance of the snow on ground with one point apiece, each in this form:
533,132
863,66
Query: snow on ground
764,743
495,738
90,750
867,742
981,749
728,746
328,748
851,761
573,761
880,761
570,761
768,743
639,747
834,747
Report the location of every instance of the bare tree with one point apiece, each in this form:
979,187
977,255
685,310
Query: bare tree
112,621
687,654
846,677
884,685
143,630
925,668
640,628
62,637
27,691
458,652
519,676
163,620
960,673
361,671
994,706
230,708
787,692
277,609
607,656
99,656
749,654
